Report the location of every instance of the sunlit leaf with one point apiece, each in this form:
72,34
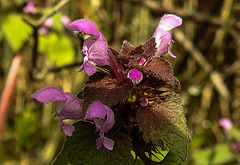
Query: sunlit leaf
58,48
219,154
57,21
16,31
171,159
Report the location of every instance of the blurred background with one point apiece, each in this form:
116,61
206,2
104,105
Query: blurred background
37,51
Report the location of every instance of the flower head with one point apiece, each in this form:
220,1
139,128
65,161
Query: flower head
162,36
103,118
225,123
135,75
94,47
67,106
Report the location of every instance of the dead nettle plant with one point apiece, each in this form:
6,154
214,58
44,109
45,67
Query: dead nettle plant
129,108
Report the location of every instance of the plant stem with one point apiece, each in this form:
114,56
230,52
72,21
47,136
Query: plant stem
9,90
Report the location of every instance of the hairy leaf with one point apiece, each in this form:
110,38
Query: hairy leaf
163,121
62,158
107,90
131,55
160,71
171,159
82,149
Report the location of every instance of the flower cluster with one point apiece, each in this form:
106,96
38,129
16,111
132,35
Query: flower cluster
137,92
70,107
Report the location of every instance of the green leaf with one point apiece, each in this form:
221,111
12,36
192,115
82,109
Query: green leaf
82,149
16,31
58,48
26,125
163,122
171,159
57,21
62,158
219,154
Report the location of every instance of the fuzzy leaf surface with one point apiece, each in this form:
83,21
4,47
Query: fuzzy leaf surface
162,122
107,90
160,71
82,149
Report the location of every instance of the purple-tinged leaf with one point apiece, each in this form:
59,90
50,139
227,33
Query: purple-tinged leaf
159,70
105,89
163,120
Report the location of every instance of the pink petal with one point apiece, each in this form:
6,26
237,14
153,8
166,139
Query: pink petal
50,94
67,128
108,143
169,21
89,68
99,110
72,108
85,26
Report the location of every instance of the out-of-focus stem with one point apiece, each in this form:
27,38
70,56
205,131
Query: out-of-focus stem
9,90
40,21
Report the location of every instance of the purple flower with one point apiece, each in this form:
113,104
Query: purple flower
162,36
94,47
67,106
103,118
135,75
226,124
30,8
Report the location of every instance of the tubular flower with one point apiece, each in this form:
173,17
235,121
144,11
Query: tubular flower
103,118
162,36
67,106
94,47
